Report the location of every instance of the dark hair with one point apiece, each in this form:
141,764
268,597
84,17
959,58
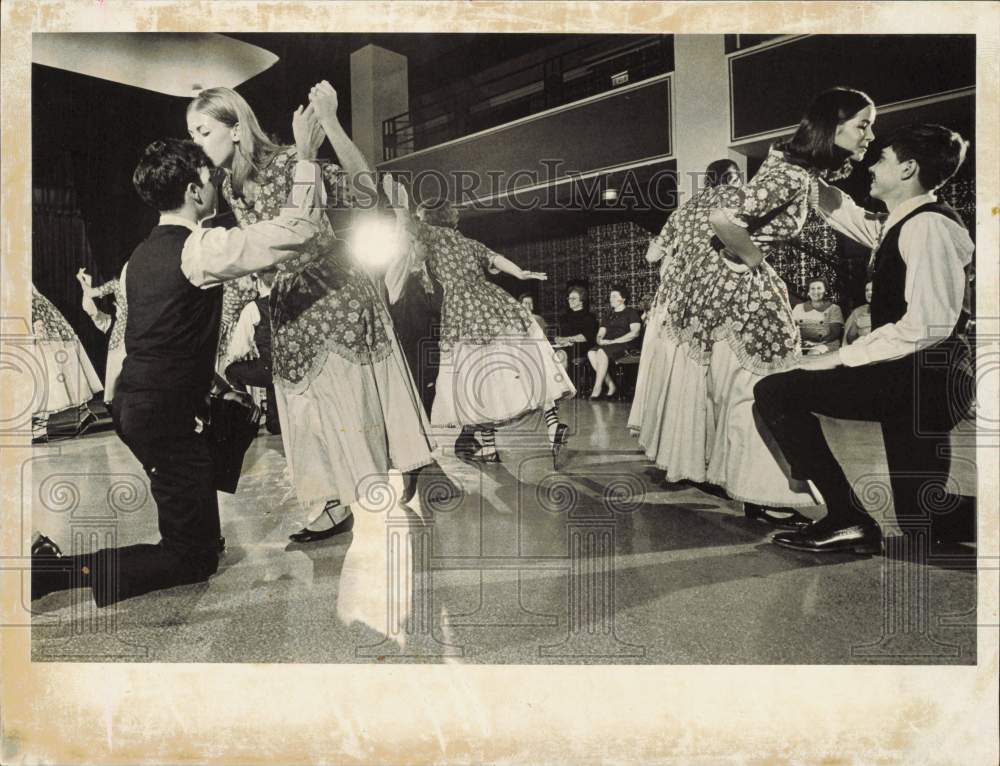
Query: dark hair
165,170
821,280
522,296
438,212
715,173
621,290
812,146
937,150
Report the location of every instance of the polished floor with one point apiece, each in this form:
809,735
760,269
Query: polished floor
599,562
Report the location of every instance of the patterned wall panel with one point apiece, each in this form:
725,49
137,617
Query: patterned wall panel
606,255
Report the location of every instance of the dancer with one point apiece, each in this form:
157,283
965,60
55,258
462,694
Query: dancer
170,340
415,301
71,381
113,288
347,404
903,374
646,418
248,360
726,320
496,363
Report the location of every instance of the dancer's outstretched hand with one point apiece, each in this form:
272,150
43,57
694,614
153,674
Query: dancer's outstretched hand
541,276
323,99
308,132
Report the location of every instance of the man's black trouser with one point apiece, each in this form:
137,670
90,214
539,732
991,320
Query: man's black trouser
159,428
917,400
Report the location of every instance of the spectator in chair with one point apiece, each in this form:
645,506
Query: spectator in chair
528,301
820,321
859,323
617,336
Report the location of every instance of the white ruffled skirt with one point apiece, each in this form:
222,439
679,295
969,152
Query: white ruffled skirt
350,425
498,382
696,422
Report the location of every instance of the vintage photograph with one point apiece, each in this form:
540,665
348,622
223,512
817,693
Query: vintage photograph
572,349
486,348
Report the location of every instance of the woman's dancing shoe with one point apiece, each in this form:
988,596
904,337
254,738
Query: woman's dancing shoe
307,535
559,439
787,518
466,444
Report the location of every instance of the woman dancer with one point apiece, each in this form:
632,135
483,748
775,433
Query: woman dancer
346,401
725,317
496,363
722,178
71,381
114,288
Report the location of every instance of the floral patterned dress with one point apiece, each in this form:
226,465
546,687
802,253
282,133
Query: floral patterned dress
236,294
496,362
347,404
718,327
71,380
114,289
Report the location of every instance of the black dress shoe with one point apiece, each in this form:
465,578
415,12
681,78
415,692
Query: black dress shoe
787,518
410,484
222,545
859,536
309,536
44,546
49,572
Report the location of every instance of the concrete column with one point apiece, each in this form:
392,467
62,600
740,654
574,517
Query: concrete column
379,90
701,109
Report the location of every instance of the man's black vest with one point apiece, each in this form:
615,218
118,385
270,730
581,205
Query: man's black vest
172,327
888,277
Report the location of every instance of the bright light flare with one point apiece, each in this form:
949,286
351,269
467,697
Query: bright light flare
375,242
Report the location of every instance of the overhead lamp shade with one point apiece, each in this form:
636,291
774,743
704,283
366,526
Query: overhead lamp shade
177,64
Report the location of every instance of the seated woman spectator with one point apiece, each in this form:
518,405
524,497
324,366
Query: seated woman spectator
617,336
859,323
820,322
528,301
577,328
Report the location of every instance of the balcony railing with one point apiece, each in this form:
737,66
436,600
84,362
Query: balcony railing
596,68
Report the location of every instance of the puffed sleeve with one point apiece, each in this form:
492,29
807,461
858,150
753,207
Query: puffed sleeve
834,315
482,254
108,288
774,185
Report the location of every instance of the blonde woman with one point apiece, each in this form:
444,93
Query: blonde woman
347,403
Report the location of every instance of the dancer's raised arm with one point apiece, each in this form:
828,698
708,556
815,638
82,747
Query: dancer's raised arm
360,174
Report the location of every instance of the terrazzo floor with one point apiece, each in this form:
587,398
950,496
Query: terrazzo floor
599,562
